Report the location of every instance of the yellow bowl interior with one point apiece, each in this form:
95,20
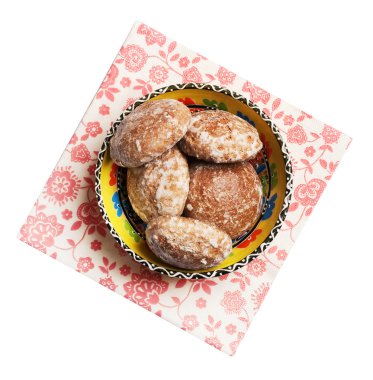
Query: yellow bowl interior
118,219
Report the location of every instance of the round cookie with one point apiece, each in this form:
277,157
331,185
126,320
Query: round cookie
187,243
148,131
219,136
159,187
227,195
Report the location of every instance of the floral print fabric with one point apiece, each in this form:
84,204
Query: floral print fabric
66,224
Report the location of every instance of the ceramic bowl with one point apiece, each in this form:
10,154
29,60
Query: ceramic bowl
272,165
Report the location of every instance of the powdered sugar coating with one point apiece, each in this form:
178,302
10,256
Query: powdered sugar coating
159,187
228,196
148,131
219,136
187,243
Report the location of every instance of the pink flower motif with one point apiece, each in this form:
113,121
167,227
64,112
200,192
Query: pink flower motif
201,303
256,267
89,213
85,264
231,329
184,62
309,151
125,82
145,288
67,214
297,135
73,139
233,302
308,194
134,57
93,128
110,78
125,270
128,103
333,166
120,250
235,344
151,35
158,74
214,342
294,162
257,94
39,231
225,76
108,283
259,294
190,322
192,75
104,110
288,120
330,135
204,284
91,169
281,254
96,245
80,153
62,186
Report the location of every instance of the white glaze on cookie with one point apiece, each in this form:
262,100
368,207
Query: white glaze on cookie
159,187
148,131
219,136
187,243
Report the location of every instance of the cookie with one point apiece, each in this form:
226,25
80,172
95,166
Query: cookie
159,187
148,131
228,196
219,136
187,243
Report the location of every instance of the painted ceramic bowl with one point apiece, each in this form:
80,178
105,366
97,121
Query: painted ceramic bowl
272,165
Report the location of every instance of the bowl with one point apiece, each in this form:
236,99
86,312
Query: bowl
272,165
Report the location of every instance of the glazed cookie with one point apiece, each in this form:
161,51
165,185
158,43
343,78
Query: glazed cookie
148,131
219,136
187,243
159,187
227,195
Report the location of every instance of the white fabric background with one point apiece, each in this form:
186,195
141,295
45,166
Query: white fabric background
316,321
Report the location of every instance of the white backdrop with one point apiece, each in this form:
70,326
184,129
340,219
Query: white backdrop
317,319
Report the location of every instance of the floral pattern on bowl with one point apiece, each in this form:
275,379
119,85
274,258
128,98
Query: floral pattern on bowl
272,165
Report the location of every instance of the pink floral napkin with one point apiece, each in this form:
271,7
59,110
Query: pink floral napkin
66,223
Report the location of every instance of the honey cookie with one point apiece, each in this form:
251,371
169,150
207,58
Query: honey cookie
159,187
148,131
219,136
227,195
187,243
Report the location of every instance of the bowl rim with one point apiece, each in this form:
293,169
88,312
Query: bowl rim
281,217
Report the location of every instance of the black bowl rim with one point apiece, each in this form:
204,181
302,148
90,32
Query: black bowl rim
282,215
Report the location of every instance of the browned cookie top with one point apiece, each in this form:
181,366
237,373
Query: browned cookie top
219,136
148,131
226,195
159,187
187,243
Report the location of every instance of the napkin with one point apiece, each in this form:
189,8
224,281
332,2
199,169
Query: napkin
65,222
